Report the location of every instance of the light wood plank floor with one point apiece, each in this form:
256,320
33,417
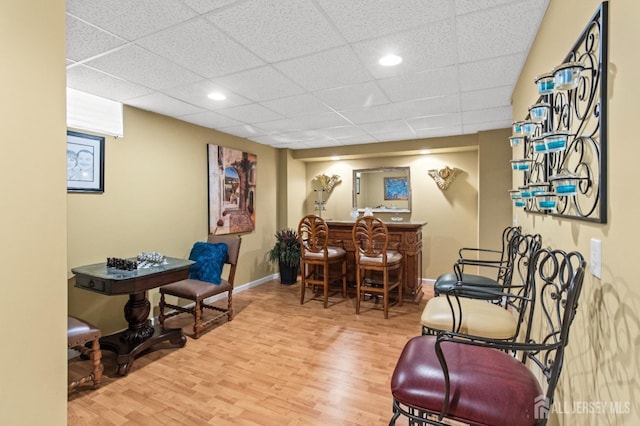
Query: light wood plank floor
277,363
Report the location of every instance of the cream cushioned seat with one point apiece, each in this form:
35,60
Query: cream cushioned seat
479,318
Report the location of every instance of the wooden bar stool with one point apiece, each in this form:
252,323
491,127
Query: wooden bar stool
79,333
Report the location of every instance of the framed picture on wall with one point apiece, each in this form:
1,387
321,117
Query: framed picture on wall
396,188
85,162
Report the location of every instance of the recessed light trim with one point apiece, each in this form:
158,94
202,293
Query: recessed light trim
390,60
217,96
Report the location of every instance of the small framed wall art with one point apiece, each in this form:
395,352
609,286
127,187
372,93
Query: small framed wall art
85,162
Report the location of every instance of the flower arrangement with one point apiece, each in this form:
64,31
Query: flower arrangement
286,249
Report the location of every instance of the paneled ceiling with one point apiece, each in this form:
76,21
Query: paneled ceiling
304,73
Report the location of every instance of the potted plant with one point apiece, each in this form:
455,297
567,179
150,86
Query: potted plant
286,251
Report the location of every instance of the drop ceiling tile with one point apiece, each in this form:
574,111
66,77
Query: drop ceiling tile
277,30
426,84
495,72
274,140
324,70
250,114
395,126
439,132
357,140
297,105
88,80
362,19
466,6
435,121
497,32
487,115
341,132
139,66
486,98
244,131
394,136
421,49
204,6
319,121
210,119
85,41
260,84
163,104
200,47
403,110
130,19
197,94
358,95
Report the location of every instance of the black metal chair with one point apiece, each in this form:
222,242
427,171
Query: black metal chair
495,267
499,312
480,381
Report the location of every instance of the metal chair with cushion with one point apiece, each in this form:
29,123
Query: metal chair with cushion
495,267
480,381
317,258
499,313
197,290
374,258
79,334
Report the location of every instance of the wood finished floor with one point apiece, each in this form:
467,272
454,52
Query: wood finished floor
277,363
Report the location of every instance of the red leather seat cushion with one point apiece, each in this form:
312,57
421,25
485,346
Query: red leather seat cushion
488,387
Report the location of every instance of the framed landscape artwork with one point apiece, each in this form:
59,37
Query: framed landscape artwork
232,190
85,162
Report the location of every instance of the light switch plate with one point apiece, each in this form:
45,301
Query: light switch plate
595,263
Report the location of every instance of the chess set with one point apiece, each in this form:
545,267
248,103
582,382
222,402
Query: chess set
143,260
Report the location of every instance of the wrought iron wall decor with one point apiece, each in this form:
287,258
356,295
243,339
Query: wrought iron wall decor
564,136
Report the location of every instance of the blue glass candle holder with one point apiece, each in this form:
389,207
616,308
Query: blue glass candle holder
517,128
538,188
515,194
556,141
540,146
521,165
525,192
516,141
565,184
539,112
529,128
545,84
566,76
546,201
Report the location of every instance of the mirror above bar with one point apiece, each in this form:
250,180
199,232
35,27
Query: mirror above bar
383,190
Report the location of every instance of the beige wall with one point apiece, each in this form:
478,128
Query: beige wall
451,215
155,199
33,224
603,357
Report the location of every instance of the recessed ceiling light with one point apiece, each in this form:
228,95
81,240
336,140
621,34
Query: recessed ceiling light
335,158
425,151
390,60
217,96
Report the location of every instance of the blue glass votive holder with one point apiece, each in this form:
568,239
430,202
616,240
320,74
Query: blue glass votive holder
556,141
538,188
521,165
515,194
519,203
539,112
546,201
517,128
565,184
525,192
529,128
539,146
545,84
566,76
516,141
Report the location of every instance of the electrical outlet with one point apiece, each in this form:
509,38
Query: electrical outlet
595,263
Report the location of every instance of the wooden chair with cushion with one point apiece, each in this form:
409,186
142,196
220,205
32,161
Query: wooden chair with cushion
317,257
205,281
79,334
479,381
373,258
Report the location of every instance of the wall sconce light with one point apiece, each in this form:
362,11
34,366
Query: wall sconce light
444,177
326,185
